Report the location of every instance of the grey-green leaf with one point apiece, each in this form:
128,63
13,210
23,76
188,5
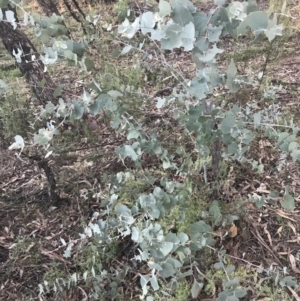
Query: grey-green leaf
288,202
166,247
196,288
167,270
154,283
227,124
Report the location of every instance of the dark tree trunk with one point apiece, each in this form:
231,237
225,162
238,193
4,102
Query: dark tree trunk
16,42
49,7
78,8
76,12
68,4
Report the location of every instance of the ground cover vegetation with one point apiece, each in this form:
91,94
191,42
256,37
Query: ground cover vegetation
149,150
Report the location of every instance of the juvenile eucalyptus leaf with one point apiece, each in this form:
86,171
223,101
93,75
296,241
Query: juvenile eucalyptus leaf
281,138
183,3
42,83
231,74
196,288
166,163
167,270
295,154
173,37
236,10
210,54
200,23
233,283
114,94
126,49
230,269
3,87
218,265
155,266
18,144
130,30
10,17
166,247
58,91
233,148
214,33
185,274
78,109
127,151
198,88
160,102
288,202
227,296
164,8
227,124
293,146
95,228
89,64
41,288
181,15
94,108
172,237
257,21
43,137
147,22
288,281
123,210
198,228
240,293
174,262
144,279
182,237
154,283
181,255
116,52
133,134
158,34
188,36
220,2
257,119
273,29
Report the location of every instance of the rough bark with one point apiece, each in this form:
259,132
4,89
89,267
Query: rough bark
16,41
49,7
68,4
76,12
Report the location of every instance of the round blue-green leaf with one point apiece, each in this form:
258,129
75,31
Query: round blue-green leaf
166,248
167,270
182,237
288,202
196,288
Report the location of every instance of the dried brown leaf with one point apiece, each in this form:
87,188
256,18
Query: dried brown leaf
233,231
263,188
268,235
297,298
293,263
292,227
282,214
279,230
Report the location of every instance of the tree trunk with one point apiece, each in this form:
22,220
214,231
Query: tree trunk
28,61
77,13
